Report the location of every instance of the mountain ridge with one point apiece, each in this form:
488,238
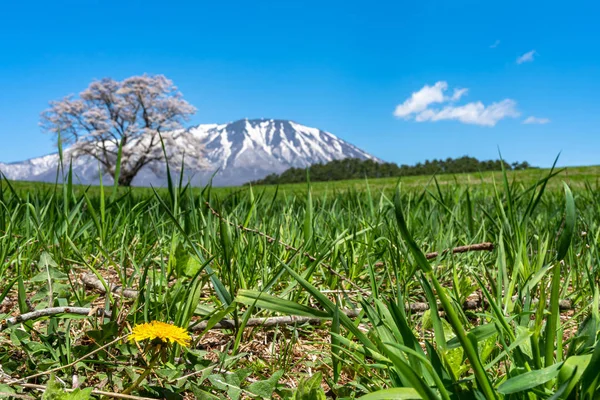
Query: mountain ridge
239,152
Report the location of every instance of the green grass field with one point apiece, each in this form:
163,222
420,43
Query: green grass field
328,290
575,176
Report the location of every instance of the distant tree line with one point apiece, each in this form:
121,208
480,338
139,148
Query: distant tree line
354,168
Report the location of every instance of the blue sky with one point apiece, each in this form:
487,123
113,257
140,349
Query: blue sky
342,66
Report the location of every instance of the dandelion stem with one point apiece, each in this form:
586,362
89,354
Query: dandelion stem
144,374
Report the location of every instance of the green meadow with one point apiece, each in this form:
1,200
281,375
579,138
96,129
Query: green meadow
577,176
347,289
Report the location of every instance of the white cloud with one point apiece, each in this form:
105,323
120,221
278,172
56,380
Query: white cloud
420,100
527,57
476,113
536,120
496,43
458,93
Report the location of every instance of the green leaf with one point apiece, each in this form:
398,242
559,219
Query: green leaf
79,394
410,376
553,318
6,389
272,303
202,394
185,263
335,349
234,382
22,297
107,332
432,315
529,380
53,273
310,389
589,380
412,245
265,388
308,215
117,170
55,392
567,234
480,333
218,381
571,372
394,393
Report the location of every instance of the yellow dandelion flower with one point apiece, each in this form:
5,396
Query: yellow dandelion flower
156,330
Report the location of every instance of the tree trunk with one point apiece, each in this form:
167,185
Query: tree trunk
125,178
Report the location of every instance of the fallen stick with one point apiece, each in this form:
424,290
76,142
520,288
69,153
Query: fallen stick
417,307
223,324
485,246
91,281
49,312
271,321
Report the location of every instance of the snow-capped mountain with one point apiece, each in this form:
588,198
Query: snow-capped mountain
239,152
